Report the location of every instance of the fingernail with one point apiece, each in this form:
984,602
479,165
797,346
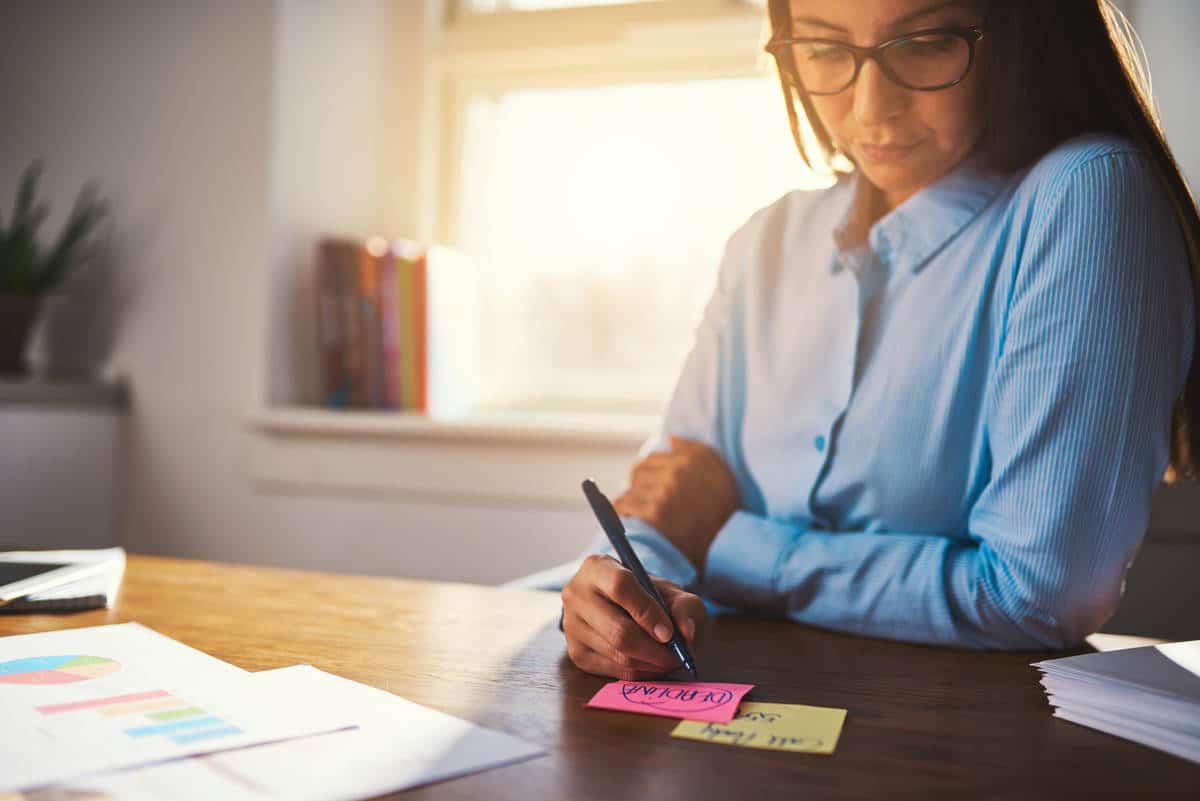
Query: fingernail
662,633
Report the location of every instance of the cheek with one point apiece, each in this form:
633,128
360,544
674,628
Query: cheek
954,119
833,112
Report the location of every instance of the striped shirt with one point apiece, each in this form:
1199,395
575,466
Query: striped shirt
950,432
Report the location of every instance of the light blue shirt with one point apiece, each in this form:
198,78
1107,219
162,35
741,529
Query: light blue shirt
950,434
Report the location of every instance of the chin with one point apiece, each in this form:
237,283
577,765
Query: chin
895,181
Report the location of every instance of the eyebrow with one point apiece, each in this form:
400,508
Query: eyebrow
909,17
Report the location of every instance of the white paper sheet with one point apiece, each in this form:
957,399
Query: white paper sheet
1148,694
1182,747
94,699
1184,654
1119,642
397,745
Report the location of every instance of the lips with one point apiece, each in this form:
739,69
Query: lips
885,153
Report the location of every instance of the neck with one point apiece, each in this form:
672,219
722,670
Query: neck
890,200
870,204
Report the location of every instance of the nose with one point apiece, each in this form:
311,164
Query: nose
876,97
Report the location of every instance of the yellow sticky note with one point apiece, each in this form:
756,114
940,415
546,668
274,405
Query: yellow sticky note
776,727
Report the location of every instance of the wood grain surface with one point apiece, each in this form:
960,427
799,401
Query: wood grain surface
923,722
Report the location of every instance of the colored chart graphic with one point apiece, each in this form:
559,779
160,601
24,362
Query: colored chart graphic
56,669
156,713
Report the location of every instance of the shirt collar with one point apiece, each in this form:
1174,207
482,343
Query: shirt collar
908,236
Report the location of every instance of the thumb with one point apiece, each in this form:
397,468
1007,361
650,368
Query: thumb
644,610
687,610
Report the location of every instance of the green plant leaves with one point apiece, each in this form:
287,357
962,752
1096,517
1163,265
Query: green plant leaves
24,268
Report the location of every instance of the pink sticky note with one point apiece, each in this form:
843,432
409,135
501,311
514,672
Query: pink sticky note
715,702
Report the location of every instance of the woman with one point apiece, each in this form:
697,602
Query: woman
932,402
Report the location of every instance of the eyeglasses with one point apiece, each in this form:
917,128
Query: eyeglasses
924,61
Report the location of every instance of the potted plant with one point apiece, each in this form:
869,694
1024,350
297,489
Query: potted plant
28,271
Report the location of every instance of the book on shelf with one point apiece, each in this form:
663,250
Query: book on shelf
330,331
389,322
381,345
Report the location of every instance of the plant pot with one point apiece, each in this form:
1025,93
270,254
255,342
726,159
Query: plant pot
18,313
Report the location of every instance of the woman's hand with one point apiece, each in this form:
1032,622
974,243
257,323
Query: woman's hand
614,628
687,495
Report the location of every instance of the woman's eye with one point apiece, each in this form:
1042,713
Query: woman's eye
821,52
930,45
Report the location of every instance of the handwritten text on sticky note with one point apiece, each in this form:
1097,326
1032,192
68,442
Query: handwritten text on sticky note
780,727
691,700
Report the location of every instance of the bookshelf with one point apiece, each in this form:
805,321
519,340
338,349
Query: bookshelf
451,450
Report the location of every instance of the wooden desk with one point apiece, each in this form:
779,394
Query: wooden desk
923,722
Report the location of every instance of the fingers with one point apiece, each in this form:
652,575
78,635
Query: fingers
687,609
654,660
640,505
624,504
658,460
680,445
609,619
650,473
622,640
590,661
690,614
602,637
619,586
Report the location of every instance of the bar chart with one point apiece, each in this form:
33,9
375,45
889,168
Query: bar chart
152,713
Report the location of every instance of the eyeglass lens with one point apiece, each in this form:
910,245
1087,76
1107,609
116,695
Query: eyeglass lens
929,61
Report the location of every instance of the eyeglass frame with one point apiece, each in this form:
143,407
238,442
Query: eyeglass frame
970,34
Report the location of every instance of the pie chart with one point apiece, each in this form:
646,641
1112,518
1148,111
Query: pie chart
56,669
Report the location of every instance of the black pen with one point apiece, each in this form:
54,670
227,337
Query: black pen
611,523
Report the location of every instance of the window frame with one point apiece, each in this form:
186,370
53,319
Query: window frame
483,53
601,21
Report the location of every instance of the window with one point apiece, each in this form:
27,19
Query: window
598,158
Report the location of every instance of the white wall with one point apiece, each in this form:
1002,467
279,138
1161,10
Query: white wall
213,157
227,135
1170,30
345,147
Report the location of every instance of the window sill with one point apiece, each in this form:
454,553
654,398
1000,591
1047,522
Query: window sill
79,393
486,458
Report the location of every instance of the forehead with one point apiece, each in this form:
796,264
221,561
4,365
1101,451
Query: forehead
880,15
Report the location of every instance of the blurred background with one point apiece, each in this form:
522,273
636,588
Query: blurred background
587,158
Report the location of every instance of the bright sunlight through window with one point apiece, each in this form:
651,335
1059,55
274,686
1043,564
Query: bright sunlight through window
598,216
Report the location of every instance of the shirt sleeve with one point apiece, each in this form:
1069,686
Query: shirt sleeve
1098,336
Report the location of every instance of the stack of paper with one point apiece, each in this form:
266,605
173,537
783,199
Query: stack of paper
124,713
1150,695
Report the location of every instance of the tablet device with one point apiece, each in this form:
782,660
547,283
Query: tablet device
18,579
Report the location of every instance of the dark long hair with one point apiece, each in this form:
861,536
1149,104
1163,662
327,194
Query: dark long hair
1057,69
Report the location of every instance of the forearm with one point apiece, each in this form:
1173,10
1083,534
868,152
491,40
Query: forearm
908,586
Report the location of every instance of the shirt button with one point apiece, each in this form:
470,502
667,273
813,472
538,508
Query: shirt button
819,443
